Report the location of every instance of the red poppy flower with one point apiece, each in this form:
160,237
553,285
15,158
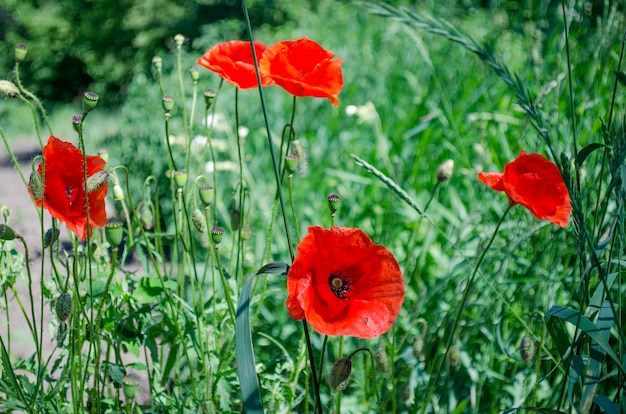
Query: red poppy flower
233,61
536,183
344,284
64,187
304,68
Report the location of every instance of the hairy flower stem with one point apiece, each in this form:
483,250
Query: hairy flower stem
432,381
34,98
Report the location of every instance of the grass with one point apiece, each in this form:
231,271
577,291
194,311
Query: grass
421,99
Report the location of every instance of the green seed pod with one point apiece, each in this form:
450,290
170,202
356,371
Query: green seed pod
168,103
180,178
76,120
206,195
129,387
63,306
7,233
340,374
193,72
217,233
197,218
179,40
97,180
291,163
334,202
20,52
114,232
209,97
90,100
104,154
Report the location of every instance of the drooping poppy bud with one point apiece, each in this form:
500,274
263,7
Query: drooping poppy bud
63,306
340,374
197,218
97,180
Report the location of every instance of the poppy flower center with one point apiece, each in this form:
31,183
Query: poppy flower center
339,285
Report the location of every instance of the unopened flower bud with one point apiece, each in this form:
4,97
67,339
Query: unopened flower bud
217,233
104,154
157,62
180,178
129,387
20,52
179,40
168,103
197,218
206,194
298,150
50,237
334,201
63,306
193,72
340,374
7,233
113,230
146,216
291,163
97,180
118,193
209,97
8,89
35,185
76,120
90,100
528,348
381,360
445,170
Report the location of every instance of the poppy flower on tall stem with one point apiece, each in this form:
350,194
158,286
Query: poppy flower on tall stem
234,62
303,68
344,284
64,187
536,183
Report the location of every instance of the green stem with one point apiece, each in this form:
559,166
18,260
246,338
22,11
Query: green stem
30,95
434,379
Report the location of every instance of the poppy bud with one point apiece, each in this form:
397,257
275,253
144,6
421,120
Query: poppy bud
157,62
97,180
90,100
217,233
76,120
50,237
197,218
193,72
63,306
206,194
209,97
381,360
113,231
334,201
129,386
35,185
146,216
104,154
340,374
528,348
118,193
168,103
445,170
20,52
7,233
8,89
291,163
235,219
180,178
179,40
